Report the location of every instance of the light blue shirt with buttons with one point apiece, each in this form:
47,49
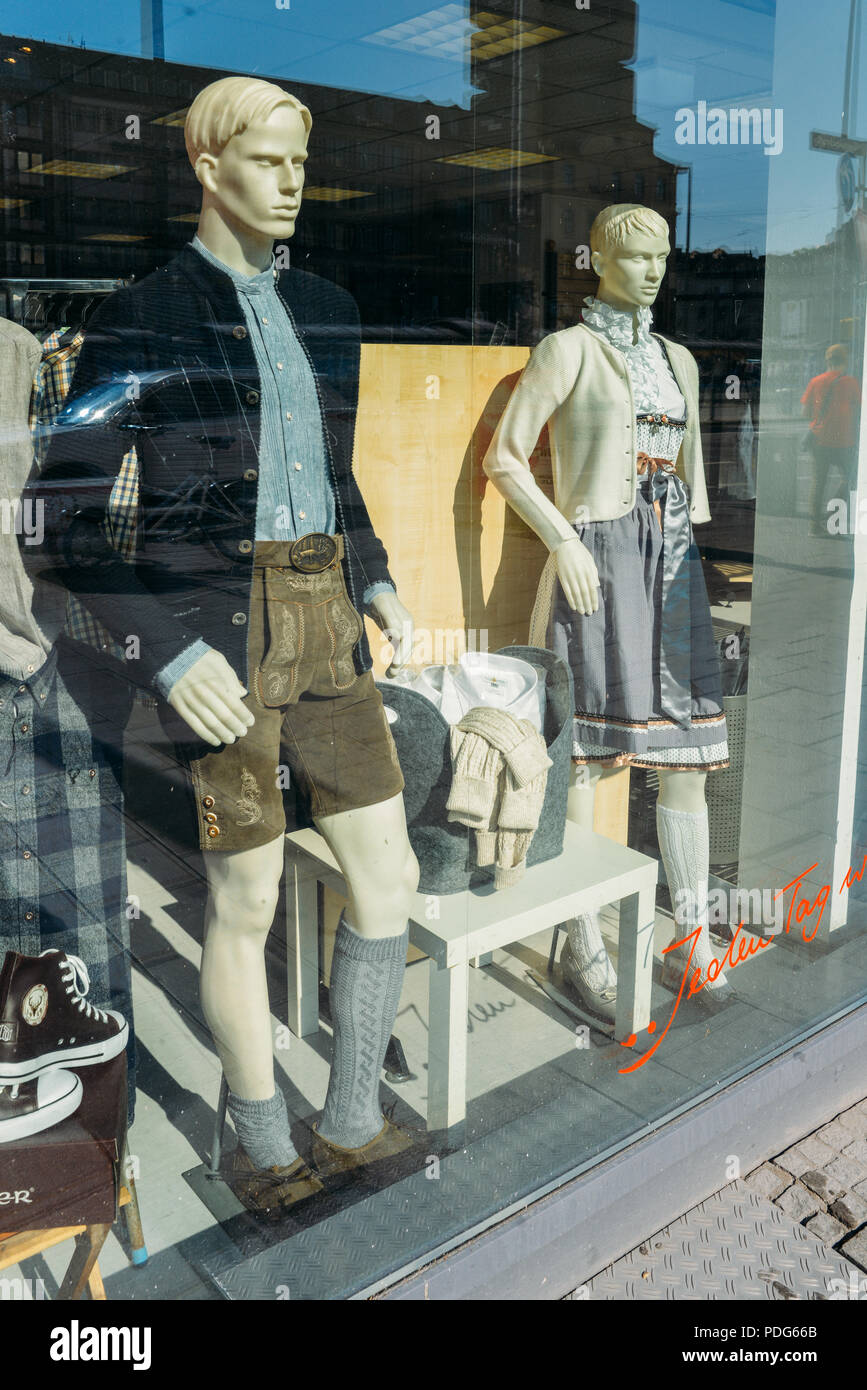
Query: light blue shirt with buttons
295,495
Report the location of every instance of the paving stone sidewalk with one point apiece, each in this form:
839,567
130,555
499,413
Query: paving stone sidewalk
818,1185
821,1183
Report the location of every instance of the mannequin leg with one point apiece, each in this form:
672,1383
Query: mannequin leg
587,964
372,847
681,820
683,791
381,872
581,800
242,899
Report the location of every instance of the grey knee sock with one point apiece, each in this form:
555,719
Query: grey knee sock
366,980
263,1130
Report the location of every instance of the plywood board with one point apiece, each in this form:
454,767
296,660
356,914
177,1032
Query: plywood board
464,564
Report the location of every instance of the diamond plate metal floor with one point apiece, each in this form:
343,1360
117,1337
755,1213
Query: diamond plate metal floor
736,1245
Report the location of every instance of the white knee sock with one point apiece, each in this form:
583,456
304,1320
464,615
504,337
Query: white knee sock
684,846
588,948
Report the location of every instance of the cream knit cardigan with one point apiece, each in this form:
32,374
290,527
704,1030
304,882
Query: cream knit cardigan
578,384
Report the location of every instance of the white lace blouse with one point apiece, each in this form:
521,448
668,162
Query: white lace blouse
654,388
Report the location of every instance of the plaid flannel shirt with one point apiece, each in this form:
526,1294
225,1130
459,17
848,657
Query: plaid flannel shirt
50,389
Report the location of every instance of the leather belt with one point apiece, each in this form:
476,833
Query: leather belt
313,553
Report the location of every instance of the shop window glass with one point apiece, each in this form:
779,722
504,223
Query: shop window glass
712,748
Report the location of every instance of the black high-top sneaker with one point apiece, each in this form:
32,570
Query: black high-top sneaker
45,1020
28,1107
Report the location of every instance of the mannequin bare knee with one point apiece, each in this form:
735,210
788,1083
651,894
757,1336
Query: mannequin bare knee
372,848
244,887
380,907
683,790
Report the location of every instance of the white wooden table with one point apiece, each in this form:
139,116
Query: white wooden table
591,872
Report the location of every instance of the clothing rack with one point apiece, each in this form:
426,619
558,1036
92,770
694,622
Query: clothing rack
45,305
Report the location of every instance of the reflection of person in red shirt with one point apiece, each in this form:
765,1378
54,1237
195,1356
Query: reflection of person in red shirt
831,402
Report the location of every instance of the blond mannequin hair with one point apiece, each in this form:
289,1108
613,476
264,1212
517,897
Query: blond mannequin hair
615,223
227,107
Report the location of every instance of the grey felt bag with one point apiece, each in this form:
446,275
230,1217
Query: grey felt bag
444,849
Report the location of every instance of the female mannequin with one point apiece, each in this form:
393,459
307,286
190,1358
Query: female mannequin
622,597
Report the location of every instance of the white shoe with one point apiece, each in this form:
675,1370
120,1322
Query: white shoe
603,1002
28,1107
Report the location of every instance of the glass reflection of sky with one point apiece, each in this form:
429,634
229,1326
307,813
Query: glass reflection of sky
723,52
718,51
310,41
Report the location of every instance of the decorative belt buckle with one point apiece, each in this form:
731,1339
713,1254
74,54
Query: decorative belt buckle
312,553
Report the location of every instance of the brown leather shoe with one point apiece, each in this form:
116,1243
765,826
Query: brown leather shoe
271,1191
331,1159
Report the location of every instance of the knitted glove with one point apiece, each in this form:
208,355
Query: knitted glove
519,742
475,786
520,809
521,804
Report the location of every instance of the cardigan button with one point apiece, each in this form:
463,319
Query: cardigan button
208,801
250,475
239,619
252,397
239,331
245,547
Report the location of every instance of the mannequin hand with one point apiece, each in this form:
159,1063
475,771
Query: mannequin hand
208,697
397,625
578,575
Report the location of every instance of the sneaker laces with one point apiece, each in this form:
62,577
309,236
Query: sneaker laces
77,982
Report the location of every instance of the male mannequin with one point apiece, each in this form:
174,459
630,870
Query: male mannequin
586,383
304,695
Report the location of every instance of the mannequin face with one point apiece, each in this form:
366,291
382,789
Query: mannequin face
257,178
630,274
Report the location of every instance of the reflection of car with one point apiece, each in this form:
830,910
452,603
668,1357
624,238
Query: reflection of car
478,332
170,406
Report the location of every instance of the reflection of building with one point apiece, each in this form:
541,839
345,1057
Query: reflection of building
820,299
575,105
477,228
718,306
719,298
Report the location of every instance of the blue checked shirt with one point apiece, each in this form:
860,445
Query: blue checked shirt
295,495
